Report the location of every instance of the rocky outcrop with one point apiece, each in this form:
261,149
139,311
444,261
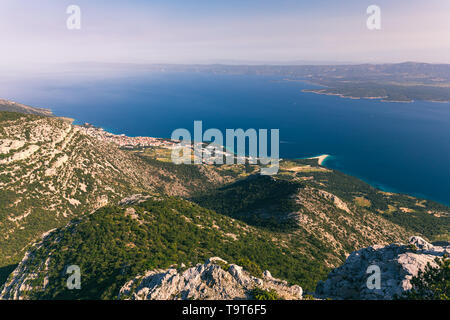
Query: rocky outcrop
133,199
213,280
336,200
397,263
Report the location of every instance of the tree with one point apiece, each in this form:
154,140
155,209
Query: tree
433,283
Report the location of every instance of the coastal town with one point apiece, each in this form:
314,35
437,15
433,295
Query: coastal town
124,141
209,153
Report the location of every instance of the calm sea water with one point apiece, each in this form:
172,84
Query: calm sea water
401,147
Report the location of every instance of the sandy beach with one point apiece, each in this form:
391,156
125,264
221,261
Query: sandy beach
321,158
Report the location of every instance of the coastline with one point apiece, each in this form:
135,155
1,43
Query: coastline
381,99
340,95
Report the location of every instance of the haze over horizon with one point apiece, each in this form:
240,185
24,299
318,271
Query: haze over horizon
187,32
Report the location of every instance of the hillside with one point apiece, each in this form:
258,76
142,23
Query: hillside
11,106
51,172
297,224
115,244
329,204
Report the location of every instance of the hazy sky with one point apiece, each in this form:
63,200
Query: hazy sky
204,31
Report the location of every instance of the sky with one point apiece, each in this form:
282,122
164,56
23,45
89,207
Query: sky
210,31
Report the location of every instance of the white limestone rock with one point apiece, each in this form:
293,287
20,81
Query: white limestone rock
204,281
398,264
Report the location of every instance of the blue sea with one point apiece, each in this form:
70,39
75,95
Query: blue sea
399,147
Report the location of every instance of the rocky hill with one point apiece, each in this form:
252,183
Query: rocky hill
327,211
117,243
50,173
213,280
398,264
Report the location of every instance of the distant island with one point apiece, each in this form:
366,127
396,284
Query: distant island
391,82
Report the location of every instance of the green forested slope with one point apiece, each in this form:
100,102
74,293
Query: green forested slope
116,243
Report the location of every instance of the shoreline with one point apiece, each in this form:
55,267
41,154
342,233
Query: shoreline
147,141
341,95
381,99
